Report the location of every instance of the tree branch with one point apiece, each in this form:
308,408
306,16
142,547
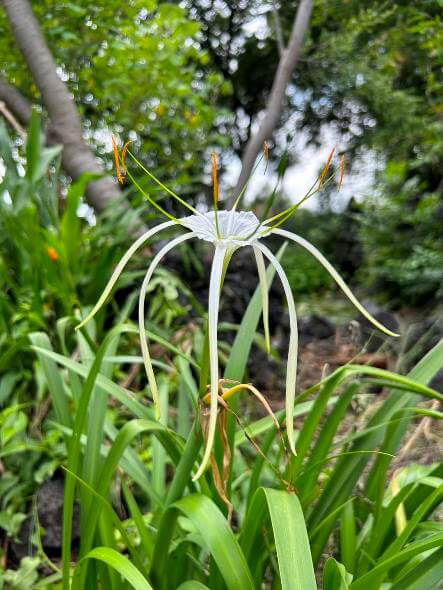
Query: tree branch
11,119
66,126
15,101
278,31
274,108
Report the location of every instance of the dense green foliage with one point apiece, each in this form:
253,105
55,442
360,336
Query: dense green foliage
135,69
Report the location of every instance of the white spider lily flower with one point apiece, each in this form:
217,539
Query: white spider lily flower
227,231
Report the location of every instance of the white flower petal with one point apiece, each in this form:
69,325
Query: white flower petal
334,274
291,370
264,295
141,317
239,228
213,305
121,265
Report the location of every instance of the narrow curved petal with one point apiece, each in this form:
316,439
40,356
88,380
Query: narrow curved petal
291,370
334,274
213,306
141,317
121,265
264,295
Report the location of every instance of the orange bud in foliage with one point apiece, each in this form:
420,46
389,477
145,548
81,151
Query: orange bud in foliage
52,253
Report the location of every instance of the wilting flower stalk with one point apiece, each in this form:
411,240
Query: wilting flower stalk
227,231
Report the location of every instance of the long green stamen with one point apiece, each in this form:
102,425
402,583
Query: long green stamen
287,213
242,192
163,186
150,199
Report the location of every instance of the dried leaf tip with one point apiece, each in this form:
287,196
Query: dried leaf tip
120,176
342,171
214,177
326,168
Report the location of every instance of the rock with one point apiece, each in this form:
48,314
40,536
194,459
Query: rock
50,518
315,327
371,338
50,514
420,338
437,381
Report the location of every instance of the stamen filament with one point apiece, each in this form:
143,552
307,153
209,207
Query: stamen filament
287,213
150,199
163,186
243,190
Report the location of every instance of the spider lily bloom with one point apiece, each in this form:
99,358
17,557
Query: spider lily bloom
227,231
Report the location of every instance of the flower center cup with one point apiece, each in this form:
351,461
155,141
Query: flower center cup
238,228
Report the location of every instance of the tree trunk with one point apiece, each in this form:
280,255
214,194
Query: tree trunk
274,107
66,128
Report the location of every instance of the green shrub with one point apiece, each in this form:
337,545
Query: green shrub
401,232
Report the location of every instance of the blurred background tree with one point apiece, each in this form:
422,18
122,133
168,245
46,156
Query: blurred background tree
137,70
183,78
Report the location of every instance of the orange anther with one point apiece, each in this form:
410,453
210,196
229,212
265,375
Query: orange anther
214,177
124,150
120,177
326,168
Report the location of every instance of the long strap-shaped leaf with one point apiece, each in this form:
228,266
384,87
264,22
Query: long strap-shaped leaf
291,539
335,576
118,562
426,575
349,469
126,435
370,580
54,380
216,536
74,449
192,585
